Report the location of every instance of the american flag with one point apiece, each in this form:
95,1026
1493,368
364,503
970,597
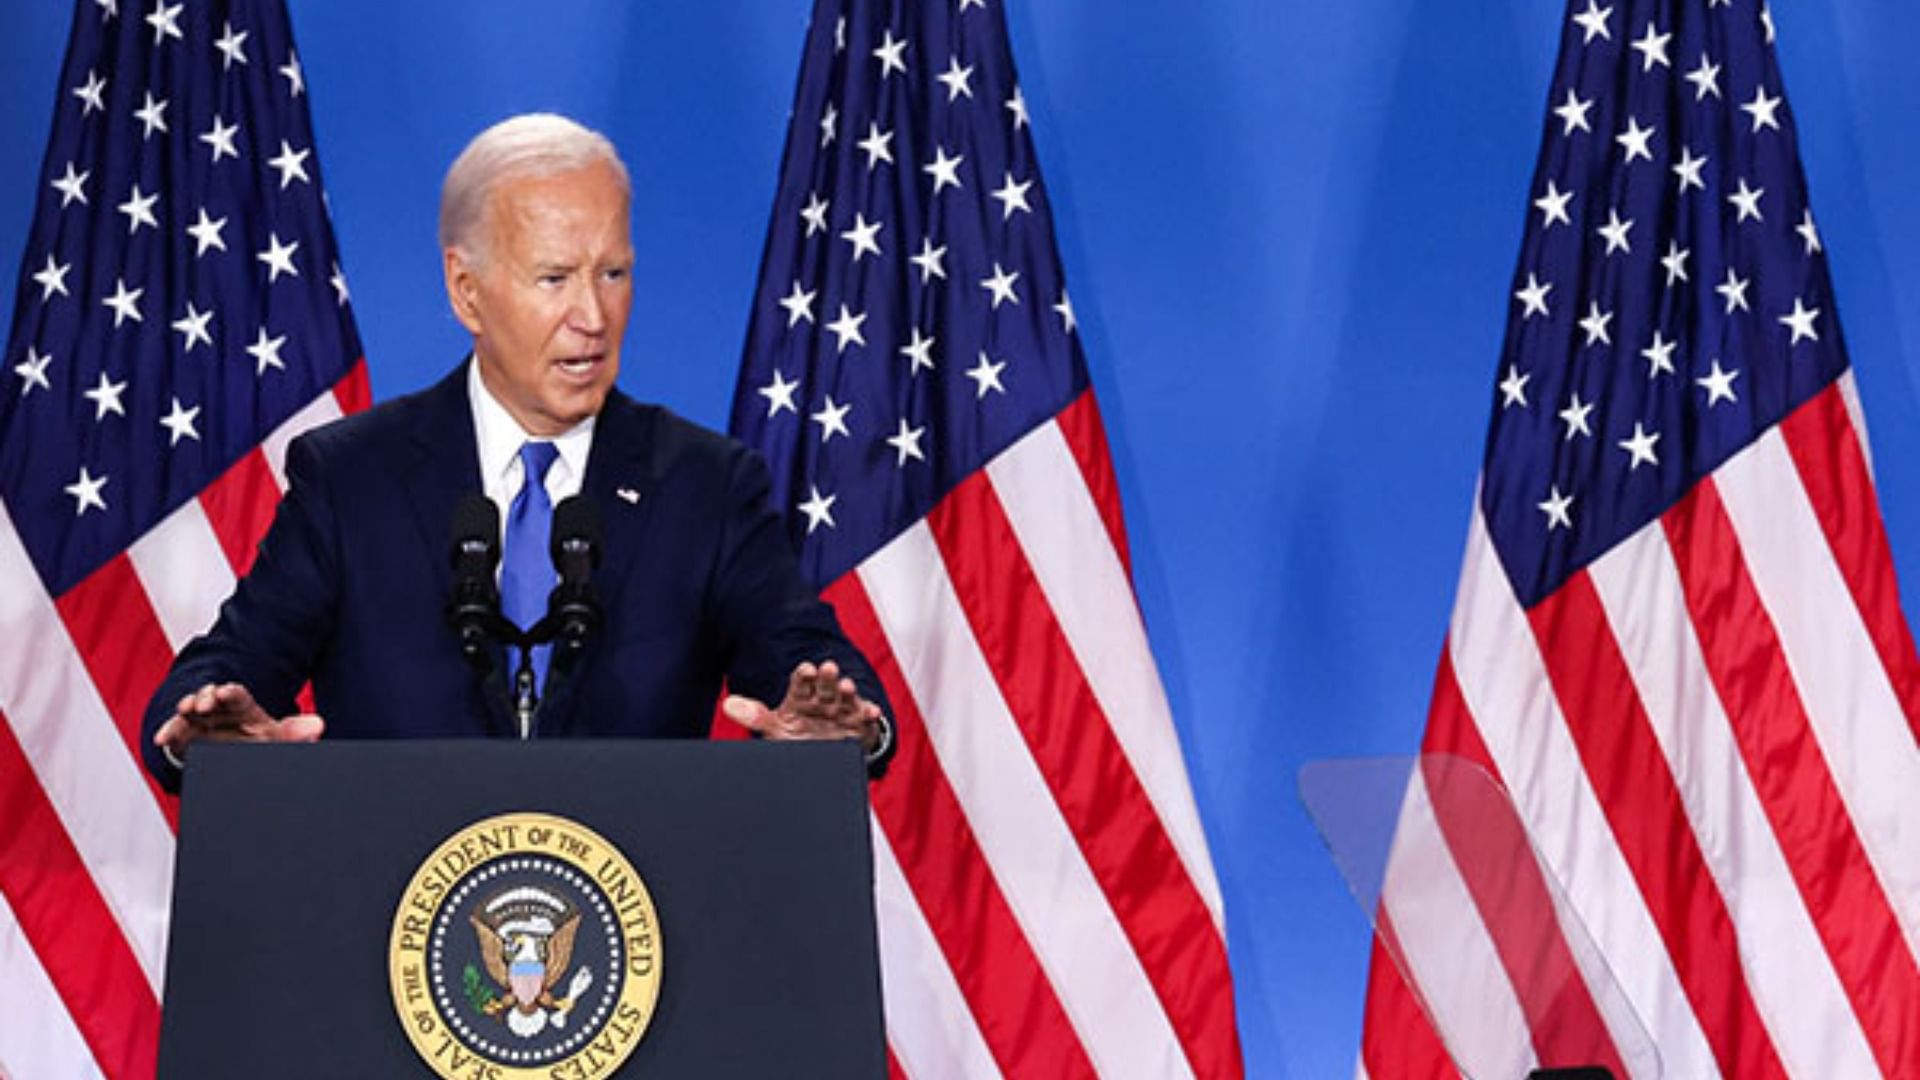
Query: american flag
181,315
1677,640
1047,903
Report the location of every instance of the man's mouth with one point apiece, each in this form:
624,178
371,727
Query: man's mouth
581,366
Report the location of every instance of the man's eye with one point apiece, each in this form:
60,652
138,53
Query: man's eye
615,274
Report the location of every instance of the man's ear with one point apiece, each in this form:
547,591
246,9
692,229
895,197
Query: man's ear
463,287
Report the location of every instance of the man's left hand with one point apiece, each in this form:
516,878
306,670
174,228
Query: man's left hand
820,704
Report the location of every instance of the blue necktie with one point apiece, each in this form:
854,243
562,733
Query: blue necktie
526,566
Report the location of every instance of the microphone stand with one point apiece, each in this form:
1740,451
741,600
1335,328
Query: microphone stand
572,610
526,699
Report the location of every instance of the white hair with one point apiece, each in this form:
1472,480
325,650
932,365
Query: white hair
520,147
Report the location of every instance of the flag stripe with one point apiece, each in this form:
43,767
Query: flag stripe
1829,451
323,408
1448,949
125,652
240,503
1755,680
1014,1008
1857,418
1793,983
1503,682
351,394
1848,698
41,1038
239,506
1086,435
68,926
930,1030
81,762
1043,485
185,571
1580,1015
1033,853
1521,911
1400,1036
1629,775
1088,772
1398,1039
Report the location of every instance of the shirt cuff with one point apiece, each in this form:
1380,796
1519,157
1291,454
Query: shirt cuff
879,751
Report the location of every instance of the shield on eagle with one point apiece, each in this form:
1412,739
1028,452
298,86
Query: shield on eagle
526,942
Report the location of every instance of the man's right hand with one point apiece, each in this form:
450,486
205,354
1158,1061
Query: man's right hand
228,713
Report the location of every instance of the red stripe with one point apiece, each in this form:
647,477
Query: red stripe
1630,777
1021,1019
1086,436
125,652
239,504
1827,453
1790,776
1451,728
69,927
1400,1038
1094,785
1497,862
1398,1041
353,391
722,727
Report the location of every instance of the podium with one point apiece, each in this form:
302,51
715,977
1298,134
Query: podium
315,884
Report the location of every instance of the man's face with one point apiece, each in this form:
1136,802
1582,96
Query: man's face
548,300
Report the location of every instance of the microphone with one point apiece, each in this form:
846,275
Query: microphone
474,608
572,608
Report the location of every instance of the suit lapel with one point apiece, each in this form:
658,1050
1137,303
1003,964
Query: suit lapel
444,461
441,464
621,473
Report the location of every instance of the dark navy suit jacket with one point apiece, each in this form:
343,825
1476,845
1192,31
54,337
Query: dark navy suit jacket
349,589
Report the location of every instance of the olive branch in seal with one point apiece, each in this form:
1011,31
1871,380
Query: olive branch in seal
479,994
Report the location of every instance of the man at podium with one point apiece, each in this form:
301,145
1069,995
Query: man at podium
695,583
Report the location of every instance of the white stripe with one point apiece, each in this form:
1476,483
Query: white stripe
929,1025
1445,949
1035,859
1066,541
1850,702
1503,679
185,572
1850,396
1795,987
42,1042
320,410
76,750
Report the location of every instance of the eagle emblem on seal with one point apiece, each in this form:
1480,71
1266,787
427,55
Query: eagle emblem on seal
526,942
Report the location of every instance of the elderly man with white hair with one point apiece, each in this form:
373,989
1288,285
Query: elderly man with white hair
698,585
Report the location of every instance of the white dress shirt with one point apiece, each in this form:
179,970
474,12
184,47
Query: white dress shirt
500,437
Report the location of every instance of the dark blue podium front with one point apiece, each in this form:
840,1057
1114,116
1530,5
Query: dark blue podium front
293,861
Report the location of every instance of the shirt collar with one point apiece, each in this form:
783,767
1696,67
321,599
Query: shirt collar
499,436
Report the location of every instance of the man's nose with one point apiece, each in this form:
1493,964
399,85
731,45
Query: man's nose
589,314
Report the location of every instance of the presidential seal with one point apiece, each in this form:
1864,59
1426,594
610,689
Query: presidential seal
525,948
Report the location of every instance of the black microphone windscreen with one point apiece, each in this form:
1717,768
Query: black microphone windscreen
576,521
476,528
